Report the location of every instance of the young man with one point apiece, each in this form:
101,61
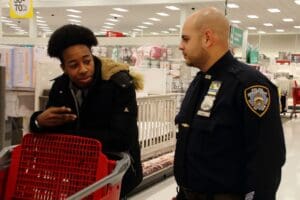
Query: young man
92,98
230,144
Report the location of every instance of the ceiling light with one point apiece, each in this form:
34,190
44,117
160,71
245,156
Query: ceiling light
40,24
115,15
120,9
172,8
296,26
172,29
142,26
178,26
74,20
107,27
273,10
112,20
297,2
4,20
166,32
154,19
136,29
74,16
252,28
39,17
73,11
148,23
41,21
268,24
108,23
154,33
261,32
279,30
163,14
236,21
287,20
252,16
232,5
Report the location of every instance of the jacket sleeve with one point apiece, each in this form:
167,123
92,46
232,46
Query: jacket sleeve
264,140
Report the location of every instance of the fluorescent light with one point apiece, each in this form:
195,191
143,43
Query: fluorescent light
8,21
261,32
172,29
236,21
287,20
252,28
154,19
40,24
296,26
137,29
142,26
166,32
252,16
74,20
108,23
148,23
232,5
154,33
107,27
115,15
39,17
120,9
162,14
41,21
268,24
73,11
172,8
178,26
279,30
112,20
297,2
273,10
74,16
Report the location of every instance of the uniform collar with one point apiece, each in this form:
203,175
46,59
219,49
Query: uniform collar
222,64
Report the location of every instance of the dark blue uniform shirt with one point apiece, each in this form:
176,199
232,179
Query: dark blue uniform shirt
230,137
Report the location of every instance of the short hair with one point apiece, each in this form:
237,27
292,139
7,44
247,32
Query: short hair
69,35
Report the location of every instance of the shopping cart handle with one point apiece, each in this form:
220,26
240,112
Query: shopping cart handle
113,178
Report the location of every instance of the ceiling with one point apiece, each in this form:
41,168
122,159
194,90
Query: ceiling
95,13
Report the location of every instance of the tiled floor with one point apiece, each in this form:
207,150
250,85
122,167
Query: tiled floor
290,184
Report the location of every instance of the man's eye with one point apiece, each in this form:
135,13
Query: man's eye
86,62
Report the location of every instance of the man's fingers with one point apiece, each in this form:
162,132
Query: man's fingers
60,110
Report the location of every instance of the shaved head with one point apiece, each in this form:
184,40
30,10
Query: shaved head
212,18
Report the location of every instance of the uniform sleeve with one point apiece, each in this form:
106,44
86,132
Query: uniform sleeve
264,141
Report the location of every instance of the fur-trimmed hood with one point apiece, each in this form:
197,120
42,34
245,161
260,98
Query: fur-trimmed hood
110,67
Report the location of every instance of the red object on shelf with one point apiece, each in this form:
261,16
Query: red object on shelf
114,34
296,97
55,166
283,62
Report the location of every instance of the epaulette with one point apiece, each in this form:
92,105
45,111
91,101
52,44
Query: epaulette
122,79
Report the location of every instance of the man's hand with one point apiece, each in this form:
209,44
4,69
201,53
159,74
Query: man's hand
55,116
110,67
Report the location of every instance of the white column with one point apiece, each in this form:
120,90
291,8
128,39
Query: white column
32,26
245,44
183,14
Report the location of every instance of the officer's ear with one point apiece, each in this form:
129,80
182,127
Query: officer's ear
207,38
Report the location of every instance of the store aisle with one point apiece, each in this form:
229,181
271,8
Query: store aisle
290,184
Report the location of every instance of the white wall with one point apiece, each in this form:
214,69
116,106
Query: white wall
270,45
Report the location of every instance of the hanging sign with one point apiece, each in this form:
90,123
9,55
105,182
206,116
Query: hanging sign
20,8
236,36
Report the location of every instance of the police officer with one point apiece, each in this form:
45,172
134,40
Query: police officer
230,144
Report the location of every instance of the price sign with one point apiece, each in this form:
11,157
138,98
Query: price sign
20,8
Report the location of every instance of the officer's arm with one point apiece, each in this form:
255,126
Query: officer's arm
264,141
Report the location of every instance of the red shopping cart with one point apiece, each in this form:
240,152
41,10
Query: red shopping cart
56,166
296,99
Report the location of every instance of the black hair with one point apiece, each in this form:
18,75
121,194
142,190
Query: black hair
67,36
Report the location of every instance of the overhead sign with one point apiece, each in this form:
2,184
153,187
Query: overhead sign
236,37
20,8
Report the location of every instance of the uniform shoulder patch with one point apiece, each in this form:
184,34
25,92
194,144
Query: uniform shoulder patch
257,98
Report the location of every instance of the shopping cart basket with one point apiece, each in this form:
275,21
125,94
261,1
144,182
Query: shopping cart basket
296,98
58,167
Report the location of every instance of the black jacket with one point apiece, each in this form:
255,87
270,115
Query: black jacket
230,137
108,113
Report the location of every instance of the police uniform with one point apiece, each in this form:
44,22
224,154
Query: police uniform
230,139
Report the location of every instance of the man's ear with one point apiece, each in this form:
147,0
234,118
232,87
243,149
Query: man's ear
207,38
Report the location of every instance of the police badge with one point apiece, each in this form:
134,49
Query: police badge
258,99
